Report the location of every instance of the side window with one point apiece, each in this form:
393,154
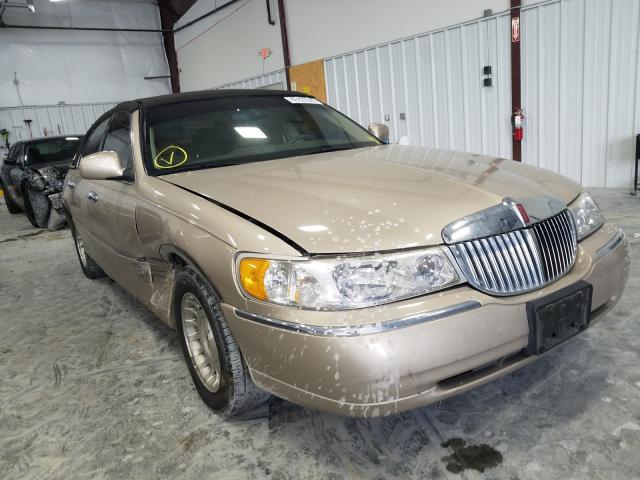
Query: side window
11,156
119,139
93,143
14,153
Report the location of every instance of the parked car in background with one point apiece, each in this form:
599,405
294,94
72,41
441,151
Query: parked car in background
32,176
296,253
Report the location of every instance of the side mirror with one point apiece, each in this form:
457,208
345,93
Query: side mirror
101,166
379,130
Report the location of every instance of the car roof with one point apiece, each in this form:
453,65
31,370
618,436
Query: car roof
151,102
56,137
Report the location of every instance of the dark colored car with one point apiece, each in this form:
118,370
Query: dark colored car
32,177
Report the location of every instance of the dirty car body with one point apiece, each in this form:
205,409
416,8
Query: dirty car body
32,177
296,252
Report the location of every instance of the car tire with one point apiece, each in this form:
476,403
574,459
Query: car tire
89,267
11,207
37,207
224,384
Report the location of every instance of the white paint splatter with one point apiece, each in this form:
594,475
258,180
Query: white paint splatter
626,426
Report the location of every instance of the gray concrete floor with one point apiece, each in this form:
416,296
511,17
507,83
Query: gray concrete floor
92,386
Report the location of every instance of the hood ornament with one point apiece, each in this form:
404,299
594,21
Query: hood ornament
505,217
519,209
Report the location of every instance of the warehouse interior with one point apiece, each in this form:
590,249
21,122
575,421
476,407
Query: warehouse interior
541,95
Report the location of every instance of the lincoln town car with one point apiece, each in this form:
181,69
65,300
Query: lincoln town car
299,254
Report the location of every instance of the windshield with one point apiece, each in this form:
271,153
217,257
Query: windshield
237,130
51,150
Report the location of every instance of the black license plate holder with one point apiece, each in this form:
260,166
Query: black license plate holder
559,316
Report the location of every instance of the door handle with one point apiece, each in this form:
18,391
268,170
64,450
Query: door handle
71,185
93,196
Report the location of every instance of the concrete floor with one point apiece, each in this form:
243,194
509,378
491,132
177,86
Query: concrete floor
92,386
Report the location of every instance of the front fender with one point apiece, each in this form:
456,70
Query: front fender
48,180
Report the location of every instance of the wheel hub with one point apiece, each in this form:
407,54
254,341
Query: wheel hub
200,342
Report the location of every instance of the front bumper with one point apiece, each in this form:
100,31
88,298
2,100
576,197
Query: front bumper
364,369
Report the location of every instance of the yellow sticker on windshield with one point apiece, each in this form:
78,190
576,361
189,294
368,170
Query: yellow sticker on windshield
170,157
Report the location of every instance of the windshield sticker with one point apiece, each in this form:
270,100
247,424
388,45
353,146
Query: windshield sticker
170,157
307,100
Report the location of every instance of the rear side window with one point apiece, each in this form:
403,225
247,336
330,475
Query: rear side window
95,138
119,138
12,156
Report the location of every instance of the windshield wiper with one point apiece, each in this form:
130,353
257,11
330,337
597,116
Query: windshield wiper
328,149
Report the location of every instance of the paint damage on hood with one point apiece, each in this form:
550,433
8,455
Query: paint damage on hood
371,199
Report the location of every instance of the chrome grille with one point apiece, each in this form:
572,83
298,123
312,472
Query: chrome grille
521,260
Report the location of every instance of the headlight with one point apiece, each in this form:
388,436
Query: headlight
340,283
587,215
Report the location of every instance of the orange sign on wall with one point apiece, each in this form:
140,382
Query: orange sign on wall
309,78
515,29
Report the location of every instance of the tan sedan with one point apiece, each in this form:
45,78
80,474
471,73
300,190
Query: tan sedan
298,254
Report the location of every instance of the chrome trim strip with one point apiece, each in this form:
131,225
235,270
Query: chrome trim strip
365,329
611,245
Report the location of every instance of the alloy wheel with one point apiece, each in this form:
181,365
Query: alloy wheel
200,342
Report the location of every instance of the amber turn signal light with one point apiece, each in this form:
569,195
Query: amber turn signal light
252,271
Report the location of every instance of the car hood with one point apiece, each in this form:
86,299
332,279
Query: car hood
371,199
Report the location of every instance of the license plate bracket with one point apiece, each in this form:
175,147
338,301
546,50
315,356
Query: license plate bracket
559,316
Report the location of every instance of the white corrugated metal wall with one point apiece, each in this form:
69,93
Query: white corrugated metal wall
56,119
273,80
435,80
580,87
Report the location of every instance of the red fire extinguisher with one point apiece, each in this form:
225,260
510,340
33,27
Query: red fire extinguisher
517,122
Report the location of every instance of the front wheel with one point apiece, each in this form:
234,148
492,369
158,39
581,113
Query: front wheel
37,207
212,355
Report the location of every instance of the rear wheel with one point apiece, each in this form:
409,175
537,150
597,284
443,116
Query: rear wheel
89,267
11,206
212,355
37,207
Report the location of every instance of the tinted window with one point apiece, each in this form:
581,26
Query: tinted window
237,130
119,139
95,138
54,150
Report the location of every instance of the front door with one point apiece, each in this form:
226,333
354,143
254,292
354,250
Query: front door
12,174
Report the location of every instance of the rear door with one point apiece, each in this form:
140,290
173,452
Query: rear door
109,209
76,188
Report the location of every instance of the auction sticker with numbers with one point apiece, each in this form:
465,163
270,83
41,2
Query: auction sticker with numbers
307,100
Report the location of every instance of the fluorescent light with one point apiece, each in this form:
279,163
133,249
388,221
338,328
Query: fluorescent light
250,132
28,4
313,228
71,138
